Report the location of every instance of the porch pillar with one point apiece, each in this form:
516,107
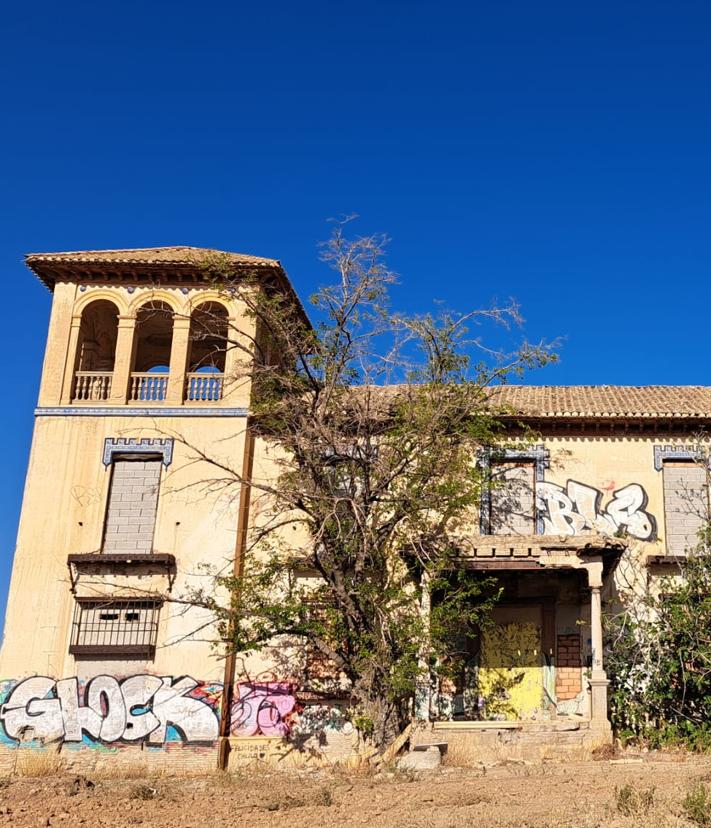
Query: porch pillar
596,625
423,689
598,679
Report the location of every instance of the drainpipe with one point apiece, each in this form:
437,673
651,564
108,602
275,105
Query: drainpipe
240,549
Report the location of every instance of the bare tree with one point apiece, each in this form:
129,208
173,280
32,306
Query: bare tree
373,421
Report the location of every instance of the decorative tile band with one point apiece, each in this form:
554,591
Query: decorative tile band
127,411
662,453
132,445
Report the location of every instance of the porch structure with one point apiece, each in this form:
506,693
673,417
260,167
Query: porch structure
536,673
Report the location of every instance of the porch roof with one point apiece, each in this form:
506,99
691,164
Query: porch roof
538,552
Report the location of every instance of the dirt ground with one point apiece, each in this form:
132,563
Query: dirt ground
585,794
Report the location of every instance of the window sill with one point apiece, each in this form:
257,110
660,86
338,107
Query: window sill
127,650
121,557
125,561
666,560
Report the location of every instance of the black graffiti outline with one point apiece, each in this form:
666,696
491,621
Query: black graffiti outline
545,514
136,710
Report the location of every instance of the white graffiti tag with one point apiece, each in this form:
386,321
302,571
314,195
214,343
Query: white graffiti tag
137,708
576,509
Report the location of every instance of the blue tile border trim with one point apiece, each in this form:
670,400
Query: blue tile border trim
127,411
147,445
662,453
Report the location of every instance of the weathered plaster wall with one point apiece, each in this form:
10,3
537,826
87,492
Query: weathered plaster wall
606,482
592,482
63,513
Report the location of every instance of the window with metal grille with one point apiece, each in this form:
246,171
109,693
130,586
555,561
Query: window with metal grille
115,627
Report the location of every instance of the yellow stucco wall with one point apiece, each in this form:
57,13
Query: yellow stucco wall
610,463
63,513
66,495
65,502
67,487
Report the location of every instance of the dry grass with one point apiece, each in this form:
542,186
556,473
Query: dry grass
461,754
660,792
634,801
143,792
121,771
38,763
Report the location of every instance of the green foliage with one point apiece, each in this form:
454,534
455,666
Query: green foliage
697,804
631,801
659,660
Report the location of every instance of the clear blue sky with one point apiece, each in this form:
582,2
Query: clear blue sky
558,152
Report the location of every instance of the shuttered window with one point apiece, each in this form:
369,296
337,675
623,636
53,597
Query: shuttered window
133,500
686,504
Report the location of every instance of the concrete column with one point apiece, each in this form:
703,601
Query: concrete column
232,361
59,355
123,359
596,629
598,679
423,691
179,354
71,363
242,331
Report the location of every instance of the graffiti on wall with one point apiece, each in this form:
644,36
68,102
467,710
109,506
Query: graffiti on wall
577,508
510,675
262,708
140,708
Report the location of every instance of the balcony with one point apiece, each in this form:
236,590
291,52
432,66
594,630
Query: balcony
155,355
147,387
201,387
92,386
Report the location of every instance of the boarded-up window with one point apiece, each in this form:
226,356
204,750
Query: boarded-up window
512,499
568,679
133,498
686,504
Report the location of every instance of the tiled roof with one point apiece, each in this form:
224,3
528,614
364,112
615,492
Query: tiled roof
606,401
185,256
151,262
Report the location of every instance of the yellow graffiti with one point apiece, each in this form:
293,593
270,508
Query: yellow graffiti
510,671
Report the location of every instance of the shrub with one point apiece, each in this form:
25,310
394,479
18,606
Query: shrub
659,660
143,792
697,804
633,802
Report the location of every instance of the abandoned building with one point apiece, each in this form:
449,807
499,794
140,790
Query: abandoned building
95,664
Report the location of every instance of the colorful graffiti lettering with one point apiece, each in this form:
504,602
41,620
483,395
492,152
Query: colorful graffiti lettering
140,708
263,708
137,708
577,508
